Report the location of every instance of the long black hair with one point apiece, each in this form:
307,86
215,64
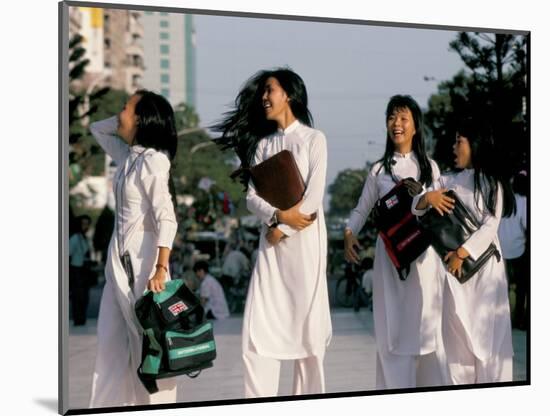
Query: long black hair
399,102
246,124
489,171
156,125
156,128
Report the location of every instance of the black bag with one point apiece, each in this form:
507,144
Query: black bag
399,229
448,232
176,338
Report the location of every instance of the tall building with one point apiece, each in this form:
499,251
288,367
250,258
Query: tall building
123,46
169,54
75,21
91,29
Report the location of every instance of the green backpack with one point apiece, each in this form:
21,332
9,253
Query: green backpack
176,337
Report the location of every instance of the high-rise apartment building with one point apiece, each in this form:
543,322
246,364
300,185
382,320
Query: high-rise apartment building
75,21
169,54
123,46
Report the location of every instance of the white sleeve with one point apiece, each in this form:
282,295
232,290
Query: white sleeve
485,235
366,202
104,132
255,204
438,183
522,208
154,176
315,182
205,289
436,174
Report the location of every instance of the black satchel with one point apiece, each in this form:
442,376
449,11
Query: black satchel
448,232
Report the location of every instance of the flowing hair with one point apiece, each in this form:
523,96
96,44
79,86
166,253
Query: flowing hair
488,170
400,102
246,124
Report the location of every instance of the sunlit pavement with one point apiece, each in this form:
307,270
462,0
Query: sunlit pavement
349,363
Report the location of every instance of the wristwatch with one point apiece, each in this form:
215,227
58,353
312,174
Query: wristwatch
274,220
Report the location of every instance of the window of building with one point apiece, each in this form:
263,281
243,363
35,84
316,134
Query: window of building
164,49
164,35
107,43
165,78
136,60
165,92
163,13
165,63
149,13
136,81
164,23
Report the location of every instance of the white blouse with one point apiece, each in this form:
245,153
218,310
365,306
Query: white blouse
512,230
405,312
141,187
379,183
463,184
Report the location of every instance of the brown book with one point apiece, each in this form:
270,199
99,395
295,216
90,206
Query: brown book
278,180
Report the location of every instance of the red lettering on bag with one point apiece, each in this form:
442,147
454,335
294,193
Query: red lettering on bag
406,242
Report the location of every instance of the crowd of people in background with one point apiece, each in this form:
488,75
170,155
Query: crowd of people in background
89,243
239,257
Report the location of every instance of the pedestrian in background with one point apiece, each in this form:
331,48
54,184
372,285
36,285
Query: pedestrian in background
211,293
512,234
103,231
235,272
79,270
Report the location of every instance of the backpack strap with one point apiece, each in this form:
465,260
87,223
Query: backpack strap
151,363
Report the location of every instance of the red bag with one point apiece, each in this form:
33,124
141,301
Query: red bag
399,229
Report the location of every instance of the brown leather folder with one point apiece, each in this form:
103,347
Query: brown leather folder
278,180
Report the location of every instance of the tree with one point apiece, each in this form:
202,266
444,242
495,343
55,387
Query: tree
493,87
345,191
186,117
83,104
198,157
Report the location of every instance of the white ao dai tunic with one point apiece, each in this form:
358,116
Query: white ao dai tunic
406,313
145,220
287,309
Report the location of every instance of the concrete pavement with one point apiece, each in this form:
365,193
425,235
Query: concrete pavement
349,364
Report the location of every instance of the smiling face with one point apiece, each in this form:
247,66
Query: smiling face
401,129
127,120
275,101
462,152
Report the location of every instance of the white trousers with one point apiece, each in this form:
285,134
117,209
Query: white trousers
463,366
261,375
407,371
115,381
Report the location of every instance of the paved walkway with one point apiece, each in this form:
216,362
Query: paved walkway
349,363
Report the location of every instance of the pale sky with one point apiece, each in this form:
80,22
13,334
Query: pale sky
350,72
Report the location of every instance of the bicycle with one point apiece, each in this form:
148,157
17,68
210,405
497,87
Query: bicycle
350,292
